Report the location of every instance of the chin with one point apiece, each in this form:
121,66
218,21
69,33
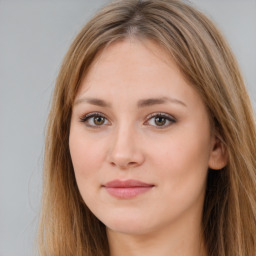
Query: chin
128,224
127,228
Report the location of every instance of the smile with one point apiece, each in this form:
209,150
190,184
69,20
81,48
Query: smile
127,189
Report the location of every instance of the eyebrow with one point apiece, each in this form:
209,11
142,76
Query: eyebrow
141,103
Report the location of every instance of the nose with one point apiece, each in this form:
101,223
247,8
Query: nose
125,151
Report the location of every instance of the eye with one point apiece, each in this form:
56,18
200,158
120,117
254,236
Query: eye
160,120
94,120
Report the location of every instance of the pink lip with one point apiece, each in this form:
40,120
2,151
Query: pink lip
127,188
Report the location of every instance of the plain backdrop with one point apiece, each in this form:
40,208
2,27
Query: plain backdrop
34,36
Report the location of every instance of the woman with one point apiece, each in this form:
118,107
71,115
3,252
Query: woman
151,140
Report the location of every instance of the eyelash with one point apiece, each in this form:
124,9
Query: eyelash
87,117
168,118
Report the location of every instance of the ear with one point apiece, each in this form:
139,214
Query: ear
218,156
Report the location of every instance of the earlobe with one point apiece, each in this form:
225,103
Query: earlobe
218,157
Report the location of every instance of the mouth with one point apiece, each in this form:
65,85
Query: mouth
126,189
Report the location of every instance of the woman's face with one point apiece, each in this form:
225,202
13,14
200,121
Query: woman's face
140,140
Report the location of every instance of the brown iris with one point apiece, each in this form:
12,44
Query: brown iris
160,121
99,120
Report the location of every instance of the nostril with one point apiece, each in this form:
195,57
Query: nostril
132,163
124,165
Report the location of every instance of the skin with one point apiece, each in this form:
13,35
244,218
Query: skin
173,153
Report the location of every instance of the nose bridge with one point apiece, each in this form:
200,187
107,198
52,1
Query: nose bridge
125,151
123,141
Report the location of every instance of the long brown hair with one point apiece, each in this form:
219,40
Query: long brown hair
67,226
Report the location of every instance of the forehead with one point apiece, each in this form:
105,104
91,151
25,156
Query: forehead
131,64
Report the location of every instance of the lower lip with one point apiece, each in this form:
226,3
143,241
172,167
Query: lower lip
127,192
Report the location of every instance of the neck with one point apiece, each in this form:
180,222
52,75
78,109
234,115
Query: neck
181,239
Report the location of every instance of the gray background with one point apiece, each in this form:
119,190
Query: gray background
34,36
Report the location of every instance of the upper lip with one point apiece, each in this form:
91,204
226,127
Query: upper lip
126,184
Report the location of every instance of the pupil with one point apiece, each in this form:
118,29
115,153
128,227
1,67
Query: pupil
160,121
99,120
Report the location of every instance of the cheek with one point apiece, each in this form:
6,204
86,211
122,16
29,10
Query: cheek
86,159
85,154
182,151
181,173
182,161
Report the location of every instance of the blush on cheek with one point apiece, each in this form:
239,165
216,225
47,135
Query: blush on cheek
85,159
82,163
